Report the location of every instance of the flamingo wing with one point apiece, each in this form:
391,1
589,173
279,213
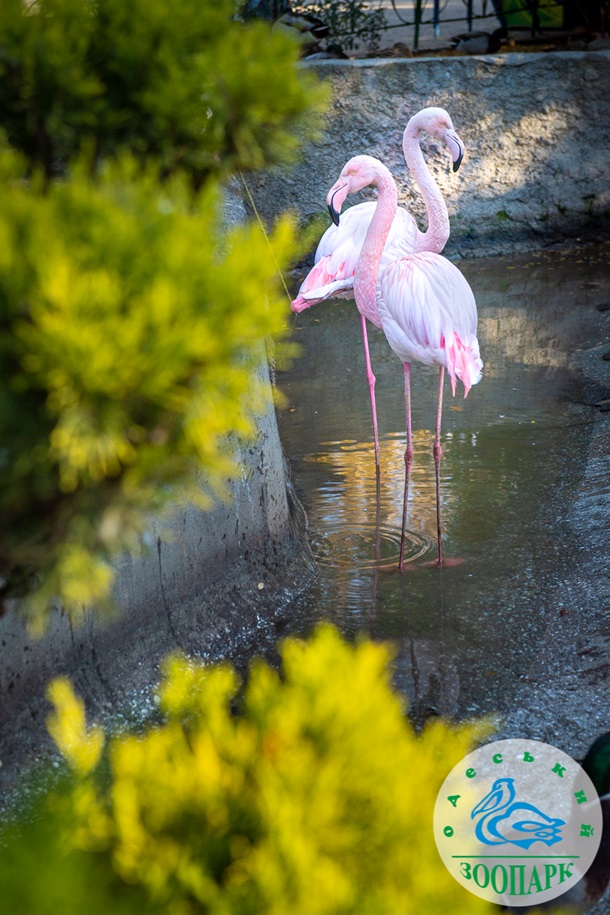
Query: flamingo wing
354,225
428,314
350,232
332,275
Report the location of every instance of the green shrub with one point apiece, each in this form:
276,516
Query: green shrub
314,797
178,81
129,329
129,323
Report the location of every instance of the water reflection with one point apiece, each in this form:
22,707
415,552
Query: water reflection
512,453
354,504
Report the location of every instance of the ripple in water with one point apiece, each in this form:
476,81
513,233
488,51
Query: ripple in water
357,520
366,546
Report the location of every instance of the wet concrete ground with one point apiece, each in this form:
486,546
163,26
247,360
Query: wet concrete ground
522,627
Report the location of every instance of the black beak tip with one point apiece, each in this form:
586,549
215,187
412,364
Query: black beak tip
333,214
458,162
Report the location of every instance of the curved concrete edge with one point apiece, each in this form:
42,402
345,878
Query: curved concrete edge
534,126
209,584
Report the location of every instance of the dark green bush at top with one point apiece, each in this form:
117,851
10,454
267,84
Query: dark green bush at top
176,80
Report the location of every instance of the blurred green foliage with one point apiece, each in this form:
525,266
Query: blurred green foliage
129,320
307,792
181,81
130,328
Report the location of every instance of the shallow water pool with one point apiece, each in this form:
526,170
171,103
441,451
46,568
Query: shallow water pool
512,455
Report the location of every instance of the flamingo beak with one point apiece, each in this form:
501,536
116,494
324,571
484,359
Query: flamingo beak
334,208
333,214
456,148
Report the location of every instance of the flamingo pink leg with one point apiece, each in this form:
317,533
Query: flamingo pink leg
437,451
408,462
371,382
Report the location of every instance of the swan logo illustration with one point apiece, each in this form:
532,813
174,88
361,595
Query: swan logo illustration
518,822
502,820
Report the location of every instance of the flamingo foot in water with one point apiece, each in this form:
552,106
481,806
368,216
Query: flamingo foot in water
393,567
446,563
415,566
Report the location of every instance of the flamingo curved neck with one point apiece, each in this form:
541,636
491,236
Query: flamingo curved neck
367,268
436,235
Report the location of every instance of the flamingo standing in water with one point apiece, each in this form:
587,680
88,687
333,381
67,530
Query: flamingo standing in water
339,249
423,303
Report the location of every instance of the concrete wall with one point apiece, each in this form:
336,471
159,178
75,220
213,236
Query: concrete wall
208,583
535,128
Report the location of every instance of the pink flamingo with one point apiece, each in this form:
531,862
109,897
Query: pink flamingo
423,303
339,249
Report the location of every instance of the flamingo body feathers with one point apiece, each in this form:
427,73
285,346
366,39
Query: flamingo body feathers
429,315
332,275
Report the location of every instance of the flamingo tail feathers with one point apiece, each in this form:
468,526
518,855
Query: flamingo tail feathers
463,362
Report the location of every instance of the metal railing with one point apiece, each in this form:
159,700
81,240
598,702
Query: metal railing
350,24
531,15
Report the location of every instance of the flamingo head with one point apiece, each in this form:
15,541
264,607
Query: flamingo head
437,123
358,173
